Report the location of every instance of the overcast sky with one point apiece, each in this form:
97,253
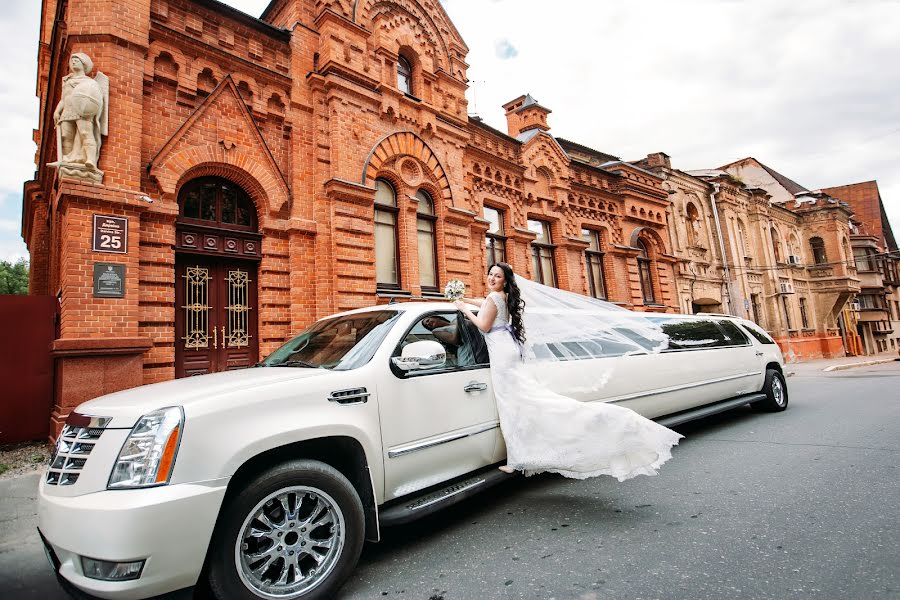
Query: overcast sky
809,87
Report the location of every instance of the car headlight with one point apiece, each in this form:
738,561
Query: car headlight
148,454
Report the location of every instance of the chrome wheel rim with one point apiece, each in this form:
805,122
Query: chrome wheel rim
778,391
290,542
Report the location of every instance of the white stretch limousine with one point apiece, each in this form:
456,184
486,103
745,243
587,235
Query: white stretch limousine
265,482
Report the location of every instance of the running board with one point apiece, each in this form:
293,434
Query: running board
416,507
710,409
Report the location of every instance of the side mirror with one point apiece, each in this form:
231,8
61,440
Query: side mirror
422,355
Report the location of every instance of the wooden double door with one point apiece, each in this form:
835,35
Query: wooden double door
216,323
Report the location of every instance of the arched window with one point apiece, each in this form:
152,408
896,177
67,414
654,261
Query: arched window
404,75
644,265
776,245
387,265
818,250
216,202
693,225
425,220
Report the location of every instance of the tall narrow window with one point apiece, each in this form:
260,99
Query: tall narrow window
804,317
776,245
425,221
494,239
742,242
387,267
646,277
542,253
754,303
818,250
787,312
404,75
593,257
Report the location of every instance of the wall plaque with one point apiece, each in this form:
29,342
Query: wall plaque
109,280
110,234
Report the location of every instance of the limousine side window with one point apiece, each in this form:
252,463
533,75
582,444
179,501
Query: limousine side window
692,334
761,336
462,342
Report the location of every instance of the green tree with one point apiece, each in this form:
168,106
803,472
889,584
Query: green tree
14,277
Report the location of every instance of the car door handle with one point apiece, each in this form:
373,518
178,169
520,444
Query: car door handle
758,353
475,386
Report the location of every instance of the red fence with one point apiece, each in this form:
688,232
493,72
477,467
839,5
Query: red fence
26,368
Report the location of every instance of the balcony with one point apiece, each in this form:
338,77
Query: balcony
825,278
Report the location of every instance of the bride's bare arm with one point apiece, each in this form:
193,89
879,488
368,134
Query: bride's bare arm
476,301
485,317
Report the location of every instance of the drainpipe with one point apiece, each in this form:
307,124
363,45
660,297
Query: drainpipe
727,272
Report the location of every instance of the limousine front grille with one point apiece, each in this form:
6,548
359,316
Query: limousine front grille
74,446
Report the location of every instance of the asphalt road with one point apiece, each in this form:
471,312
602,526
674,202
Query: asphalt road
800,504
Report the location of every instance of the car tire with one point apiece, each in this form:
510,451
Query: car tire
776,393
294,531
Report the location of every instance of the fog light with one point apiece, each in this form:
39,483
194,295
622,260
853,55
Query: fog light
111,571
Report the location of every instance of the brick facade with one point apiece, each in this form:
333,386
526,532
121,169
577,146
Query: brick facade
302,110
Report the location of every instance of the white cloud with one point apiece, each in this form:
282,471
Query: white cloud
504,49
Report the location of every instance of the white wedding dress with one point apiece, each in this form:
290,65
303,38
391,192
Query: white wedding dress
549,432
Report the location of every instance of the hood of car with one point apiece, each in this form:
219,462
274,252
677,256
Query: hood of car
127,406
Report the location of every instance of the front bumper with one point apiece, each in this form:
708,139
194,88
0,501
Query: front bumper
168,526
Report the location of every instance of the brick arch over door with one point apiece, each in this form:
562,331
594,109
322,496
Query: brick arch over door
406,144
268,190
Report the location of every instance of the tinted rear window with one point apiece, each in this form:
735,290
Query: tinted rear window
756,331
733,334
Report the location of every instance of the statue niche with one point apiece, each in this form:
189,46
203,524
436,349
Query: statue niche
81,119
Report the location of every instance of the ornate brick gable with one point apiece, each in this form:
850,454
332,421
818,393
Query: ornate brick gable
221,137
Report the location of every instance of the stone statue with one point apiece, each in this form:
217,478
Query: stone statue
81,118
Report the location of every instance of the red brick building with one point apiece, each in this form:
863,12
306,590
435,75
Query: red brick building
272,171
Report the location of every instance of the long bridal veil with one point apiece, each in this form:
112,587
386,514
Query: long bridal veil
565,326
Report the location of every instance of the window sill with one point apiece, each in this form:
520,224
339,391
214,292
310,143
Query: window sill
391,293
413,98
434,296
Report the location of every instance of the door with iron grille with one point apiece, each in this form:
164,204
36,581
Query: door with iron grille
217,253
215,325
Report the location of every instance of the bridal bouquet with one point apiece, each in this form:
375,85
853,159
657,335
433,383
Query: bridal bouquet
454,290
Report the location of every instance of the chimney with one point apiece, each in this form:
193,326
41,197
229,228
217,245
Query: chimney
659,159
524,114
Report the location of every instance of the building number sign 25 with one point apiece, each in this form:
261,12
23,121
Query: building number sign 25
110,234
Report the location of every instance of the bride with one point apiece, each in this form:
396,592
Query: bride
546,431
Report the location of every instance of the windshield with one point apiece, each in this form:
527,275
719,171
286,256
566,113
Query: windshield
339,344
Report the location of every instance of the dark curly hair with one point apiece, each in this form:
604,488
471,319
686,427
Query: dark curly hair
514,303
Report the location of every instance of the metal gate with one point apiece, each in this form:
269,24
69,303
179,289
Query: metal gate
27,324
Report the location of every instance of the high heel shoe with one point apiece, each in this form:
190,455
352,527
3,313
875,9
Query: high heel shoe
507,469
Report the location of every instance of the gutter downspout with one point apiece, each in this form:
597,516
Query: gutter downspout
726,271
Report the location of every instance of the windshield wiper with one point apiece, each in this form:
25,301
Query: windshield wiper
295,363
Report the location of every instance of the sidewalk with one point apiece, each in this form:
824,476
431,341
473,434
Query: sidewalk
826,365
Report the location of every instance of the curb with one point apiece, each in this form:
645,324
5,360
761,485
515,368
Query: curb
859,364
